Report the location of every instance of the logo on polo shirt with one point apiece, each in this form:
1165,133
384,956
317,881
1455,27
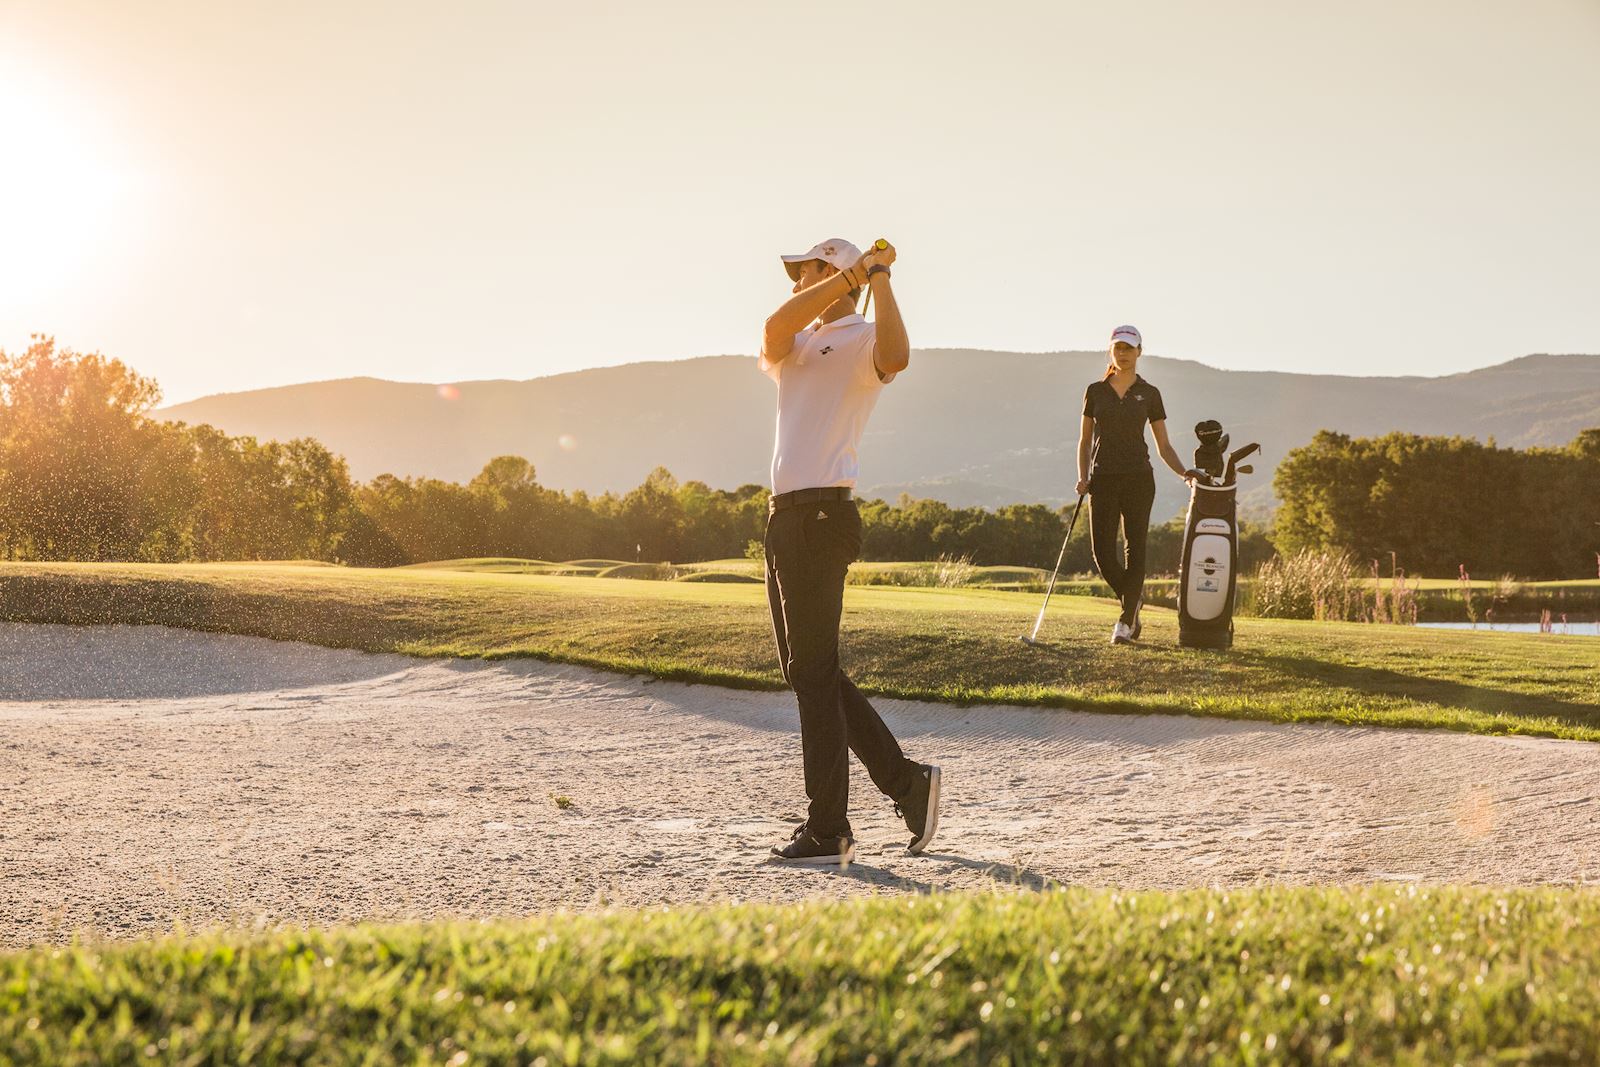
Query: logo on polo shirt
825,351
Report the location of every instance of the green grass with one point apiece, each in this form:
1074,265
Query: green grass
1438,599
957,645
718,576
497,565
906,574
1342,976
1480,585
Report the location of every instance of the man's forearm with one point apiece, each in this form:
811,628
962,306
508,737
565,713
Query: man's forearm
800,311
893,353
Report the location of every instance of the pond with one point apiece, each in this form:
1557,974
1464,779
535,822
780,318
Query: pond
1575,629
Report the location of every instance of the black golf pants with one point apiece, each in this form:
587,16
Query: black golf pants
808,549
1122,500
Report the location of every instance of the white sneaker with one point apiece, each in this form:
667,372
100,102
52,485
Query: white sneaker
1122,634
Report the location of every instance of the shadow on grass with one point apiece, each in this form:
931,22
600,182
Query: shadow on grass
1379,681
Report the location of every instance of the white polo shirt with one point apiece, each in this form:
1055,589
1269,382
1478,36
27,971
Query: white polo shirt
827,388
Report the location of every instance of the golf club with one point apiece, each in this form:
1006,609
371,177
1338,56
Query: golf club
1032,639
880,244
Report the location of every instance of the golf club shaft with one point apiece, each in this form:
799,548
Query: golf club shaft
1094,455
1060,556
879,245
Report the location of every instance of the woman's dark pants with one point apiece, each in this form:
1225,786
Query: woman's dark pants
809,547
1117,499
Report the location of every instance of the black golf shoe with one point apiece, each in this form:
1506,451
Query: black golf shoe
806,850
920,808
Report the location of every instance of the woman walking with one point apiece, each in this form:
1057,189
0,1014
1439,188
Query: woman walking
1121,484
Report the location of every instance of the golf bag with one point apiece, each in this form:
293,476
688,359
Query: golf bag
1208,579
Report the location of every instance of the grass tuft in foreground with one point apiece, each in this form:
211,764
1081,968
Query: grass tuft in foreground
1389,974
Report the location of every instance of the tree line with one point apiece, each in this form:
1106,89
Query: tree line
87,474
1441,503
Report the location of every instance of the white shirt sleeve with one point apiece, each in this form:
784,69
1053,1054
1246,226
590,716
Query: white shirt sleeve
775,370
771,370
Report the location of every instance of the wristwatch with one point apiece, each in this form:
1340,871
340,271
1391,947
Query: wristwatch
876,268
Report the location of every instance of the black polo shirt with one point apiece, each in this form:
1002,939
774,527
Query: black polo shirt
1119,424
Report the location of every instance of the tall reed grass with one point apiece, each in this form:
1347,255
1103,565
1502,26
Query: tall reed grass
1328,587
1306,585
946,572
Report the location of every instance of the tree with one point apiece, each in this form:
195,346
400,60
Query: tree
78,455
1440,503
653,518
513,507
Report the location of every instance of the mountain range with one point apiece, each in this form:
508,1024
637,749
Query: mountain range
965,426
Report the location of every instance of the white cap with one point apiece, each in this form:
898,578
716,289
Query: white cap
1128,334
837,252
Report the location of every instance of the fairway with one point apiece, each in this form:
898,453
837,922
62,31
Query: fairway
952,645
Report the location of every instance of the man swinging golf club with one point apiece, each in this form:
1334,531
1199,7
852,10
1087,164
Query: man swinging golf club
830,365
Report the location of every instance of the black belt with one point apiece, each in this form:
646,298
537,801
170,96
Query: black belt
810,496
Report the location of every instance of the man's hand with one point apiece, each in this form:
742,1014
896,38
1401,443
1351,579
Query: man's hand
877,257
1082,486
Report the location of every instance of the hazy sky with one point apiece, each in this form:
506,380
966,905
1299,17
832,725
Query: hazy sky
234,195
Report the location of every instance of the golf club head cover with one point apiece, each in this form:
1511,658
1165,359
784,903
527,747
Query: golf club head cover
1213,443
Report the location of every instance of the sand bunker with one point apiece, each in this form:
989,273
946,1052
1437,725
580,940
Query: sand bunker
152,776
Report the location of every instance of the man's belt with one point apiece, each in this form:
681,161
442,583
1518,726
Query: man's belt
810,496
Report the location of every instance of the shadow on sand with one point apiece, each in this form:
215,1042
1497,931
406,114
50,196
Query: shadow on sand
1004,874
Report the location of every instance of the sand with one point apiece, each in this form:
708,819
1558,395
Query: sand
152,777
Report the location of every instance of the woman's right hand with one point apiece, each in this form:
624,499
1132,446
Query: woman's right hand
1083,486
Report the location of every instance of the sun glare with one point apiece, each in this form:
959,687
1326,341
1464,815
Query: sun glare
60,191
